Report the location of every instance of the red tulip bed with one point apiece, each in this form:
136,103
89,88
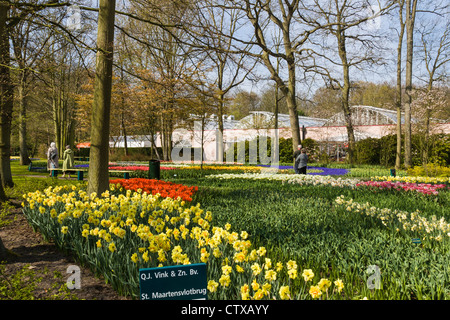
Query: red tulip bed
152,186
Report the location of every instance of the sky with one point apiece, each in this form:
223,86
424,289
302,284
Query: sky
386,27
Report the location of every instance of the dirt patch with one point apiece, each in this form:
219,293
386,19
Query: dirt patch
31,251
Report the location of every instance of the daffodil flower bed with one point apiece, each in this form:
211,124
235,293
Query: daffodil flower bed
417,225
117,233
289,178
412,179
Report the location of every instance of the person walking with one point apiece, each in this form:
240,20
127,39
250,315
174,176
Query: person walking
296,154
302,161
68,160
52,157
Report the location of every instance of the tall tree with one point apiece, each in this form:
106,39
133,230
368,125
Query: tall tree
434,38
98,179
6,97
351,47
230,68
5,89
265,17
398,100
165,56
22,10
411,7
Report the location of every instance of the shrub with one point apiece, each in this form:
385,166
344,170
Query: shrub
368,151
430,170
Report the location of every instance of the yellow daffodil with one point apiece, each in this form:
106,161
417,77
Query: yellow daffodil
270,275
212,286
285,293
339,285
225,280
112,247
315,292
308,275
245,292
256,269
255,285
324,284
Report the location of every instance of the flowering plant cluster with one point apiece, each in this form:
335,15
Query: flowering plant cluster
400,220
412,179
152,186
225,167
315,170
423,188
138,168
118,235
289,178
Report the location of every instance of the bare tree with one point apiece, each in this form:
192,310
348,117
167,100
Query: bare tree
6,97
435,55
411,8
231,69
264,18
435,49
398,101
341,34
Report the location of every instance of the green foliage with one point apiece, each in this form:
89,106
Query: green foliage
6,208
440,149
368,151
383,150
429,170
20,286
28,184
387,150
286,151
301,223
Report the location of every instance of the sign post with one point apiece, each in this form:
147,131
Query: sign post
183,282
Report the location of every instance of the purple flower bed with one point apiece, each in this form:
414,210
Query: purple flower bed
81,166
328,171
325,171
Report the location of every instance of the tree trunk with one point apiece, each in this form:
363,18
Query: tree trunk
6,99
287,88
220,149
124,132
98,179
345,93
24,157
3,251
5,92
410,17
398,102
292,102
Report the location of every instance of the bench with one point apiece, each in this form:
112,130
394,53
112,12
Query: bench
80,172
126,173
